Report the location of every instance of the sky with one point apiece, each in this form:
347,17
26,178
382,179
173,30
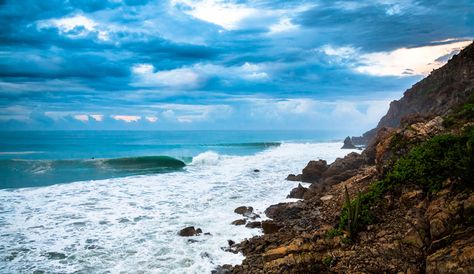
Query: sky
218,64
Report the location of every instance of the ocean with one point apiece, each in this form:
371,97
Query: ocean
113,201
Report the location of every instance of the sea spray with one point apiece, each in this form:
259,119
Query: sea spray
130,224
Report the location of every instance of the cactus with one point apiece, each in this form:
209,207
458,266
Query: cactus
353,212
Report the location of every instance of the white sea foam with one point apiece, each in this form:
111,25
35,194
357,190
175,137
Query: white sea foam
19,152
130,225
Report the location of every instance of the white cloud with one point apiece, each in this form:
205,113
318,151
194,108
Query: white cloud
284,25
179,78
184,113
75,26
81,117
297,106
223,13
341,115
151,119
399,62
126,118
97,117
407,61
194,76
251,71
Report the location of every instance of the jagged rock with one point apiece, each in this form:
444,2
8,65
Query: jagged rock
348,144
351,161
297,192
412,237
293,177
313,171
458,257
270,227
254,225
189,231
283,211
239,222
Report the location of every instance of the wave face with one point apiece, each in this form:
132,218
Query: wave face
130,224
26,173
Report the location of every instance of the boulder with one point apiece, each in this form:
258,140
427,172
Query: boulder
189,231
293,177
284,211
297,192
351,161
313,171
348,143
239,222
243,210
254,225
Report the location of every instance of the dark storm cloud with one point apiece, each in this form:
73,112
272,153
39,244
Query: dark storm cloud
382,27
126,57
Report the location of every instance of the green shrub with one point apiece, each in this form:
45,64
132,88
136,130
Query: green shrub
333,232
327,261
427,165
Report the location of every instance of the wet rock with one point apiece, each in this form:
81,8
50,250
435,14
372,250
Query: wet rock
348,143
254,225
293,177
189,231
239,222
230,242
313,171
222,269
270,227
246,211
297,192
283,211
242,210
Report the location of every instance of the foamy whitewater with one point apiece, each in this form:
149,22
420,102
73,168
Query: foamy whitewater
130,225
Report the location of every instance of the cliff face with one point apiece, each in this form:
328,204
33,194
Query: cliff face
405,205
437,94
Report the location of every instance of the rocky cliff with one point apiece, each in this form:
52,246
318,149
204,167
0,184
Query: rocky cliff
404,205
443,90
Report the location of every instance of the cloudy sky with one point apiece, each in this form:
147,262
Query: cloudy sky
218,64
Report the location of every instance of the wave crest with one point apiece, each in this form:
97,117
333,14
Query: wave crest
209,158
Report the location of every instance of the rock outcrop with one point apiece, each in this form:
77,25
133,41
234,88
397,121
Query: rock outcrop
314,171
348,143
414,185
189,231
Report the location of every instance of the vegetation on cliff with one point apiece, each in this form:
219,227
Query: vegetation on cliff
405,205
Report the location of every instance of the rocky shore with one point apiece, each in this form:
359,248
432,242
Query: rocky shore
403,205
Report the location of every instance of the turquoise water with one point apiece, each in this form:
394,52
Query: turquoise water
113,202
42,158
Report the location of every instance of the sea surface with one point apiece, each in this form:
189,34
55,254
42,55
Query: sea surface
113,201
